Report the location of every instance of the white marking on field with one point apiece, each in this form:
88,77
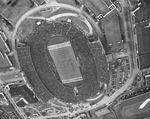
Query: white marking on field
60,45
72,80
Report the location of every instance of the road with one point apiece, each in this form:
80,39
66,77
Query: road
6,91
53,4
133,71
53,18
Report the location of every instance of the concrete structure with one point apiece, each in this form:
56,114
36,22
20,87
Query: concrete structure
130,107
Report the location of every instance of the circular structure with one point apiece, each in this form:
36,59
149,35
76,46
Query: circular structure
65,60
58,51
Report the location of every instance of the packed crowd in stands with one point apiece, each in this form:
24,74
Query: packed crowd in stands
100,61
28,67
143,14
38,65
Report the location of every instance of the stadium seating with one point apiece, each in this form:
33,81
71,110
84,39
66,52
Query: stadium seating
74,32
50,28
28,67
65,28
58,28
40,69
100,60
90,83
45,68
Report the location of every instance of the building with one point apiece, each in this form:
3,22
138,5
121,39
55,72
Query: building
143,42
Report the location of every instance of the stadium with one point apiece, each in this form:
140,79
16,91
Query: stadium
60,61
74,59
